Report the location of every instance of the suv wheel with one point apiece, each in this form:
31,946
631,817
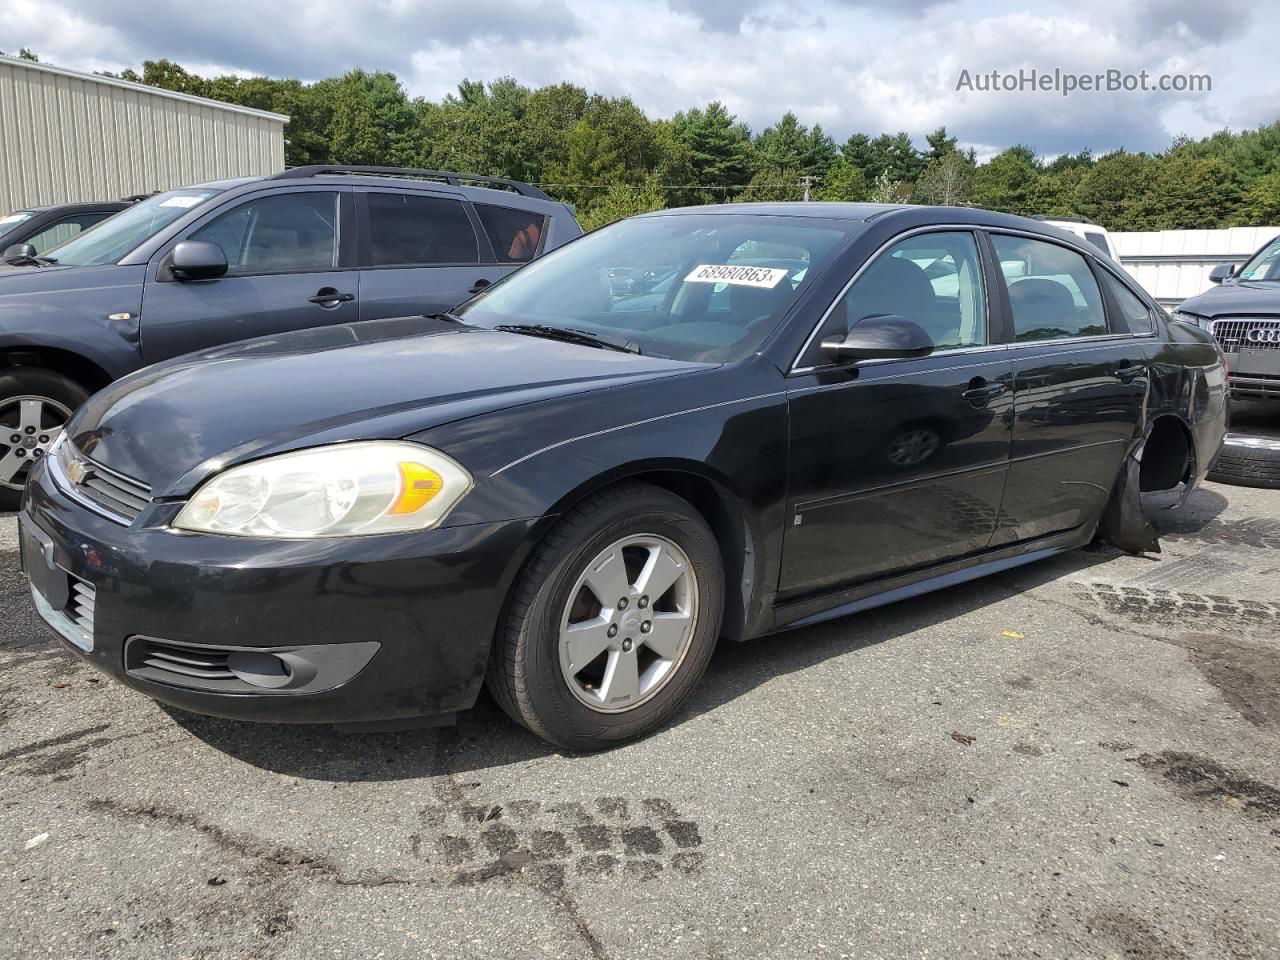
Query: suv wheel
35,405
613,621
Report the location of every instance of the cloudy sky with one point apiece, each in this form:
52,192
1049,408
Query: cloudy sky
851,65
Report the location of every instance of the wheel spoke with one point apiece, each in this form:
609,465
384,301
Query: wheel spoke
10,464
660,573
30,414
586,640
667,635
621,678
607,579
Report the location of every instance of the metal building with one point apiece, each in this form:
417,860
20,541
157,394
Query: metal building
1173,265
67,136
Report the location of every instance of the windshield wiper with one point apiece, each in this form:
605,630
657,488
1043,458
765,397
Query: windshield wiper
28,261
570,335
451,317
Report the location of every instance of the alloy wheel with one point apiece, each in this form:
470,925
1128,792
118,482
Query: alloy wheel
29,425
628,622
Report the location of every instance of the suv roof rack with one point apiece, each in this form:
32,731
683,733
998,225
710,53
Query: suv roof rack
448,176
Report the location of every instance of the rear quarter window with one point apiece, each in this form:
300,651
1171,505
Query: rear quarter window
516,235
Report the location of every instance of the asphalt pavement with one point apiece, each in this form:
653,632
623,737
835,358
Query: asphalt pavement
1073,759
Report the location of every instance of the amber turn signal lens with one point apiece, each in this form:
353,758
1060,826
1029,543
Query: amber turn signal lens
418,485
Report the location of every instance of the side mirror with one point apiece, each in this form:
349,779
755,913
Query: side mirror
885,337
197,260
18,251
1223,271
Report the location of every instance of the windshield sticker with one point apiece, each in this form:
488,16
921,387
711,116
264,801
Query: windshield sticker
739,275
15,218
184,201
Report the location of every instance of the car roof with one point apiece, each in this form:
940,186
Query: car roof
913,214
792,208
85,205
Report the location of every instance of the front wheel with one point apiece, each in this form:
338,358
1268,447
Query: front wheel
613,621
35,405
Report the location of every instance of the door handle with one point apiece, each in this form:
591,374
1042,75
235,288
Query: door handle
980,392
329,297
1128,372
478,285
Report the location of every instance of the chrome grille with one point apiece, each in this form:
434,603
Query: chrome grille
121,497
1248,332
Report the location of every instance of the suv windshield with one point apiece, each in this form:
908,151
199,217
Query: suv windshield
705,287
117,236
1265,264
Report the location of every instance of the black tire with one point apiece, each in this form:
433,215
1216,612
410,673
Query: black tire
524,674
1248,461
32,382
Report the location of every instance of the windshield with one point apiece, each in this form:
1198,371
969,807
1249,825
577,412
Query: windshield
117,236
1265,264
705,287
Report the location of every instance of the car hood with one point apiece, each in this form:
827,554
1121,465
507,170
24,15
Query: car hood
1243,296
174,424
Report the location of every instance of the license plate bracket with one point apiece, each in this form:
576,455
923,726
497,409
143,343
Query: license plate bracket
46,577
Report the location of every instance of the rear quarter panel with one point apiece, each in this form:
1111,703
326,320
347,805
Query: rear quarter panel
1189,381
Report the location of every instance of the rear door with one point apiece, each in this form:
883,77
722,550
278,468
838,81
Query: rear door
290,258
421,252
1080,383
897,465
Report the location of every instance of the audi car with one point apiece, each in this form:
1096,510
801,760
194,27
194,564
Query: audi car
1242,311
571,501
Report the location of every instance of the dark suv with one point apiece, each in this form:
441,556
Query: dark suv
1243,313
206,265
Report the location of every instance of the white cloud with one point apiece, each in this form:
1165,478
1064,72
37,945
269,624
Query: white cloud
848,64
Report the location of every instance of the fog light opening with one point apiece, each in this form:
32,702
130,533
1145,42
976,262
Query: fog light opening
260,669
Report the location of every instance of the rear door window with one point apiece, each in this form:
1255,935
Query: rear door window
417,230
1135,315
516,235
1052,291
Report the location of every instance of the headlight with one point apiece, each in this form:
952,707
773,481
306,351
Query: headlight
344,490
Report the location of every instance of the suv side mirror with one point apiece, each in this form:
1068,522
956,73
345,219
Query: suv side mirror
197,260
18,251
1223,271
885,337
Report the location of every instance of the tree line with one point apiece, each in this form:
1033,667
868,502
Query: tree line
605,156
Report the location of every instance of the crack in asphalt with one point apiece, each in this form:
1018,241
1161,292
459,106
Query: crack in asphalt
275,857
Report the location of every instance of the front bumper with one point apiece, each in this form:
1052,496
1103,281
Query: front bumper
368,628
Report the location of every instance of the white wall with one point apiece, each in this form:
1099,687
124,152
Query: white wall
1173,265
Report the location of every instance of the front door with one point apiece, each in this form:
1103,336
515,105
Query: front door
897,465
1079,389
286,271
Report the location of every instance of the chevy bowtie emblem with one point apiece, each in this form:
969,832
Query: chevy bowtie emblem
77,472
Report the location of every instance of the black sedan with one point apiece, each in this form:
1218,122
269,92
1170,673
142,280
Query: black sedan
570,499
26,234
